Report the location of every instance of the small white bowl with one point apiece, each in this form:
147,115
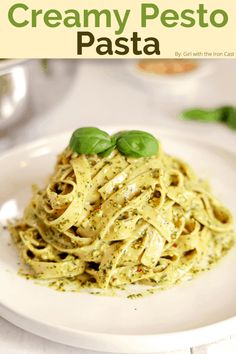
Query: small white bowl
174,91
203,69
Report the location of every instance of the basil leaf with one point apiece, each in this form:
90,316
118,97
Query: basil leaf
136,143
202,115
231,119
110,149
225,112
90,141
119,134
107,152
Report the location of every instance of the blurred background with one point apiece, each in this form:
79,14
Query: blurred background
39,98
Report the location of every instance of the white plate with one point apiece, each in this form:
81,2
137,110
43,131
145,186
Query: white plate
190,314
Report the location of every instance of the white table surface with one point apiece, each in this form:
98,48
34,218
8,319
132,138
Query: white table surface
104,92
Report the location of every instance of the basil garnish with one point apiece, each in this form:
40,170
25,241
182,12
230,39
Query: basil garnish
202,115
225,114
90,141
110,149
231,118
136,143
133,143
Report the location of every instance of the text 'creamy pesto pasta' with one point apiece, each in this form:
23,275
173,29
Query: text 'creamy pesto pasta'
111,221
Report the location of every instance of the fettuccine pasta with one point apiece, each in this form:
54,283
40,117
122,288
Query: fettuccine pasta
108,222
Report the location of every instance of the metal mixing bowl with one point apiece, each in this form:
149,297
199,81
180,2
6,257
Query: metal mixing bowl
13,91
31,86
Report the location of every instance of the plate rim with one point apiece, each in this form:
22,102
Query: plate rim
117,343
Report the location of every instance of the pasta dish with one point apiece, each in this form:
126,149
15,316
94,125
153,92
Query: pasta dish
111,221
